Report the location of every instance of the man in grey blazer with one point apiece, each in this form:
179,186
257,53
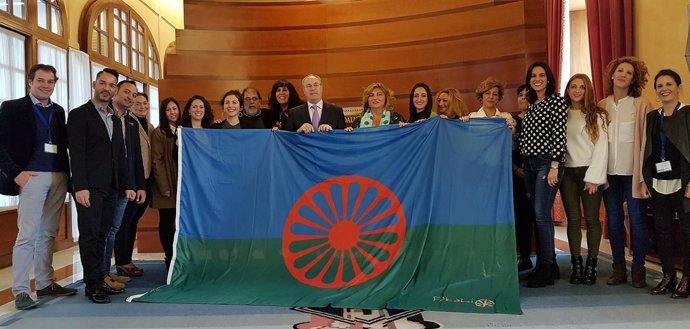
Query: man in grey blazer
315,115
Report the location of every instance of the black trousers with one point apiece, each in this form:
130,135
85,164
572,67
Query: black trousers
166,232
124,240
94,224
524,217
664,208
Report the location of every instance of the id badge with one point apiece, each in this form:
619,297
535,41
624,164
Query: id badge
50,148
663,166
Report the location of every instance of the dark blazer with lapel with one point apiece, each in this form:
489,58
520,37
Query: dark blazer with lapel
330,114
97,162
135,166
677,129
18,136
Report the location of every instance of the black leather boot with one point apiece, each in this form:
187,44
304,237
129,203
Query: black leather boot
590,276
577,270
667,284
542,277
555,270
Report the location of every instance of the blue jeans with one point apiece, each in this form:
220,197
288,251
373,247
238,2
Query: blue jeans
542,196
120,207
620,189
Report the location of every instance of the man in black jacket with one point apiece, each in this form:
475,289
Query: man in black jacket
125,209
99,171
34,166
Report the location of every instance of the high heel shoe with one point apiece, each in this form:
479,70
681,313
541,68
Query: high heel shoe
577,270
667,284
590,276
681,289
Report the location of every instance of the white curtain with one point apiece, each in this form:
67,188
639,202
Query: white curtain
57,57
153,105
79,93
79,78
95,68
12,79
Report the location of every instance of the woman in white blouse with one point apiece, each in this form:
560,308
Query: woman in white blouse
626,77
585,174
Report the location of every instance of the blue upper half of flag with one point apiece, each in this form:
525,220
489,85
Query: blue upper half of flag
244,183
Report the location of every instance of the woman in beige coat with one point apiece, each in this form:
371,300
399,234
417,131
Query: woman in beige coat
164,165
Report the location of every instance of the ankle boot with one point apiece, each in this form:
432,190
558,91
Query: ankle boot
681,289
577,270
542,277
667,284
590,276
555,270
639,276
524,264
619,275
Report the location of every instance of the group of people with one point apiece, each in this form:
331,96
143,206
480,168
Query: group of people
620,150
108,169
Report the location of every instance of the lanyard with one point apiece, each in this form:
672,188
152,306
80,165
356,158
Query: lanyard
662,135
41,117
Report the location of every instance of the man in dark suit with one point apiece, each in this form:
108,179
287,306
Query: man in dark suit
34,166
315,114
99,169
125,208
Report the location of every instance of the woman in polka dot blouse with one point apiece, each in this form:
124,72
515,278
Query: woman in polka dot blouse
543,146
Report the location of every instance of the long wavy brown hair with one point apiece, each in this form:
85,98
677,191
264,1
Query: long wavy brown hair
590,109
640,76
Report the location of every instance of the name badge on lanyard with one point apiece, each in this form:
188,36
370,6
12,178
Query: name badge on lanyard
48,147
664,165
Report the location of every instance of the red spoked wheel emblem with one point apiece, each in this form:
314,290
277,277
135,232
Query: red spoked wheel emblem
343,232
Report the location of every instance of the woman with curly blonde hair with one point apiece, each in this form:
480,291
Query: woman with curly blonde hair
625,79
377,102
585,174
449,104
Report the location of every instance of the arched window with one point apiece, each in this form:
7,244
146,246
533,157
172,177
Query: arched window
119,38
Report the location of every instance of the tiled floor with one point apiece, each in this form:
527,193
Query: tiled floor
68,267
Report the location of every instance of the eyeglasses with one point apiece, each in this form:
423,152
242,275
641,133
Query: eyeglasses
251,99
315,85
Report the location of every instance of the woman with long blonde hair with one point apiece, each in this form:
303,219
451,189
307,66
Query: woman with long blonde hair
449,104
585,174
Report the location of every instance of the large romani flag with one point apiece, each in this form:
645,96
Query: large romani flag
418,217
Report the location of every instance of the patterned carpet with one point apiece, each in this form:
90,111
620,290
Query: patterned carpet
562,305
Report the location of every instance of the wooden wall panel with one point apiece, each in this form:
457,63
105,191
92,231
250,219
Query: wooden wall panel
380,61
447,43
230,15
331,39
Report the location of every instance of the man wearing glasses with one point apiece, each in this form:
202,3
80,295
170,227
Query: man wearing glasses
253,116
315,115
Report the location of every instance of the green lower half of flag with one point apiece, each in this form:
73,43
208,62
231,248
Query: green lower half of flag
455,268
